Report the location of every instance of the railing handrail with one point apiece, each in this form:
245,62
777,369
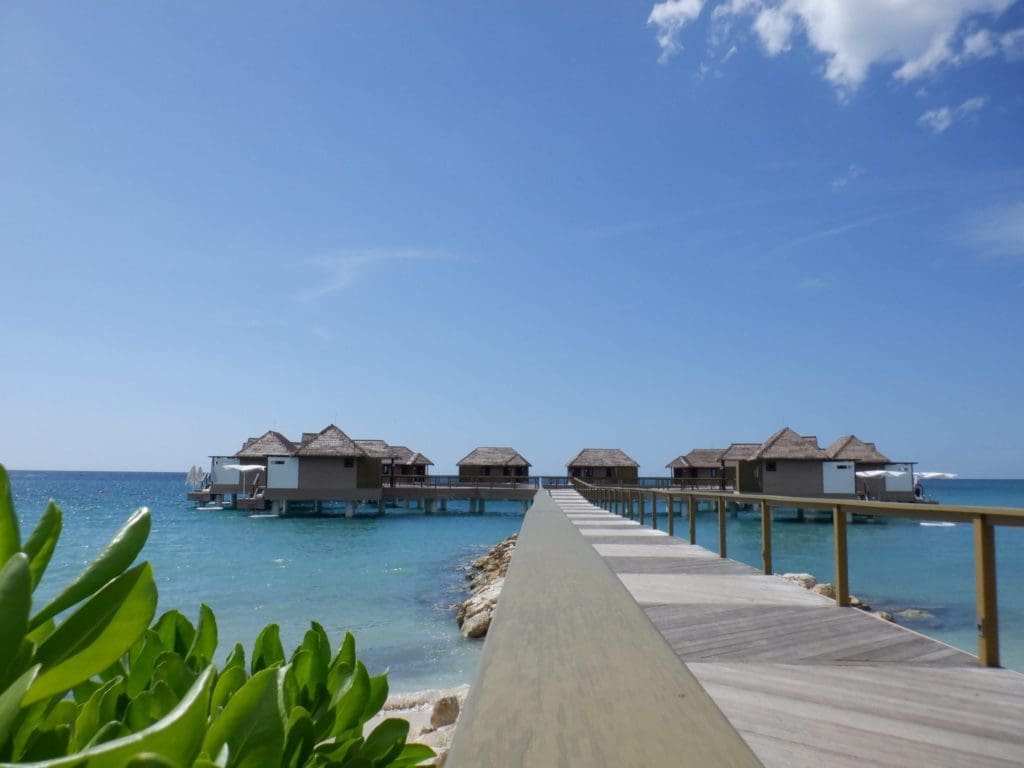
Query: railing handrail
983,519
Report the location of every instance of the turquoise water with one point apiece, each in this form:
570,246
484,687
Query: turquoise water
392,581
897,564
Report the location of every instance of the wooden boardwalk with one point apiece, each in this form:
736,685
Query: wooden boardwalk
807,683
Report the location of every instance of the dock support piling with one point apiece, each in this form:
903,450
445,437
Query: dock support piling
640,504
841,560
692,514
526,505
444,504
671,515
350,509
481,506
654,510
721,527
380,506
766,536
985,586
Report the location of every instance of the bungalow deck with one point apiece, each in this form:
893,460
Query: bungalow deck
806,683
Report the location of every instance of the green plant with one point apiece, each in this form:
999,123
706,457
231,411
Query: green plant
105,688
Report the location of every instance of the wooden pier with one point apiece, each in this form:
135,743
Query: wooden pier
570,676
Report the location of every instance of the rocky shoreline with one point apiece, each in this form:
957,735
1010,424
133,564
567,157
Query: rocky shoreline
432,716
807,581
487,576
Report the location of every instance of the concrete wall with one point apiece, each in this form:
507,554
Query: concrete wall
838,478
283,472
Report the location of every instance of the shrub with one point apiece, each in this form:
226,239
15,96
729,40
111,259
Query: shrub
104,687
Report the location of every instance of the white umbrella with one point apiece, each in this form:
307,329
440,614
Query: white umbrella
879,473
243,467
933,476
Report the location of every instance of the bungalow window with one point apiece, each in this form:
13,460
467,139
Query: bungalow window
385,469
485,471
506,471
588,472
608,472
769,466
349,463
520,471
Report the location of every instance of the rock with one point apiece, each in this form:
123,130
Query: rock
446,711
856,602
827,590
915,613
477,625
805,580
884,615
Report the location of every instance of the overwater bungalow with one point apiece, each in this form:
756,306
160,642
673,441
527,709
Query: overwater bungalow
788,464
609,466
492,463
409,464
891,481
733,460
246,470
699,467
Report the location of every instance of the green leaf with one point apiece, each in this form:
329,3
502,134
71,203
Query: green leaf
204,646
310,676
139,715
351,701
236,658
43,541
152,760
141,662
10,701
49,744
300,739
164,699
15,604
170,669
378,695
90,717
346,654
252,724
112,561
10,538
176,632
108,732
412,754
97,634
175,737
267,650
385,742
230,680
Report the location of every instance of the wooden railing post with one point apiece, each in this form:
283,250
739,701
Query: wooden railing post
692,514
671,514
842,575
766,536
721,526
985,586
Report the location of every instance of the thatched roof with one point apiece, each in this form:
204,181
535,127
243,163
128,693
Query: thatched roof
307,436
851,448
271,443
493,457
377,449
602,457
699,458
407,457
788,445
740,451
331,441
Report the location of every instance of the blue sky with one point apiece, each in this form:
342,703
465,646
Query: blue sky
552,226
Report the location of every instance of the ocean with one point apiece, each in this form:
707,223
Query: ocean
393,581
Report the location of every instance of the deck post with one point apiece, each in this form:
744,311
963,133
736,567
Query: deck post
721,526
654,510
444,504
766,536
632,510
380,506
526,506
985,586
481,505
350,509
692,514
640,502
842,568
671,514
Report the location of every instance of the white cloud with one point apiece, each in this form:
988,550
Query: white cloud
342,270
853,172
917,37
999,231
670,17
1012,43
941,118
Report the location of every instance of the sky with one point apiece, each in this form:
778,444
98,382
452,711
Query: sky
550,226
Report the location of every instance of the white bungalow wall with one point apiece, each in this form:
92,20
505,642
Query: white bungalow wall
903,483
283,472
838,477
221,476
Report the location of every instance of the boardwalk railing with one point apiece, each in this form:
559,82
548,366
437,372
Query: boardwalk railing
631,502
453,481
574,673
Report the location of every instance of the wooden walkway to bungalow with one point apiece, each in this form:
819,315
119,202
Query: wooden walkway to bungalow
804,682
